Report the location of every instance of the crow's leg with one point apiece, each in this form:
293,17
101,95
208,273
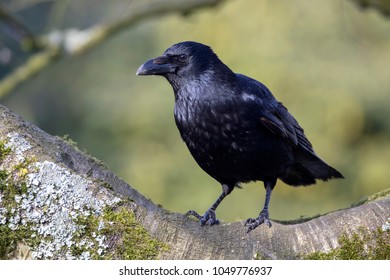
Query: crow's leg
263,217
209,217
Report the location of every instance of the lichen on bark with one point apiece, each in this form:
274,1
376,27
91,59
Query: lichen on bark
58,214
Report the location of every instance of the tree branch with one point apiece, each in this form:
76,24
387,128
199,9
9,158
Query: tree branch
183,237
19,31
75,42
383,6
33,66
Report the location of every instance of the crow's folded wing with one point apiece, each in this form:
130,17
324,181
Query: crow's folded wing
280,122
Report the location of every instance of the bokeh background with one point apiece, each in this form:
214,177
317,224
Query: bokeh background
327,61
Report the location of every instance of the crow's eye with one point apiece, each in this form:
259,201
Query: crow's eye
182,58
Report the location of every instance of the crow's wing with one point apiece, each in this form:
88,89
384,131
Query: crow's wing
273,115
280,122
270,113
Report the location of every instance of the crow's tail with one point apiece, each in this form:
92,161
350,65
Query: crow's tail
307,168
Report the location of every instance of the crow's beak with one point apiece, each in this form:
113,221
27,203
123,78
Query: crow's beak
155,66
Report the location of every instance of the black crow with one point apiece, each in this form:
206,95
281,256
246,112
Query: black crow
234,127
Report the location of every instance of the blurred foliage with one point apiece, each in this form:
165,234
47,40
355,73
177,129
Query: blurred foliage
327,61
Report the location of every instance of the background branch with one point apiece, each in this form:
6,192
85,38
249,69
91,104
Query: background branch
75,42
19,31
383,6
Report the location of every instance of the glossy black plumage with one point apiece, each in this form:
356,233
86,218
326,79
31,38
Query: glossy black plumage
234,127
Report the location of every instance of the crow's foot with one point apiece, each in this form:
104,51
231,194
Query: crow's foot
263,218
208,217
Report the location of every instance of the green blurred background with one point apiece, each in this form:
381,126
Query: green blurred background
327,61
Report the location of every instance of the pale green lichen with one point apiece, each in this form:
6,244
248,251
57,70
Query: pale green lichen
12,187
386,226
62,215
123,236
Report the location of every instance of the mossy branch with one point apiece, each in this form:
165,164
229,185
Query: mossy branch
166,235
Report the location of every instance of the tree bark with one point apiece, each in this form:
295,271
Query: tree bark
185,238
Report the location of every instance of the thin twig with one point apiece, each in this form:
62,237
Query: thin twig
19,31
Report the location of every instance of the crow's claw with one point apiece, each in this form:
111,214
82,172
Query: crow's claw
263,218
208,217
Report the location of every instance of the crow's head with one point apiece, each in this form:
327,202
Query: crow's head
182,61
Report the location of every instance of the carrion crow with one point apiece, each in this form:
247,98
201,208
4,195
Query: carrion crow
234,127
